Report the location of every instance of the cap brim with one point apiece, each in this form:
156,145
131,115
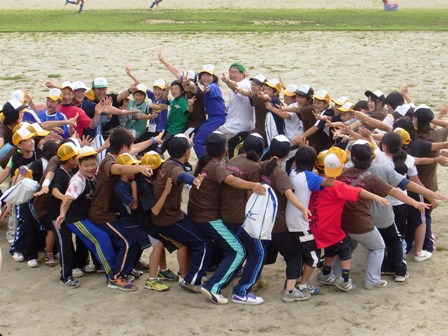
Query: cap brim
159,86
100,86
43,133
83,155
302,94
289,93
256,81
333,172
209,72
54,98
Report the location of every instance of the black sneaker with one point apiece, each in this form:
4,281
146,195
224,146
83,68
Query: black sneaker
70,282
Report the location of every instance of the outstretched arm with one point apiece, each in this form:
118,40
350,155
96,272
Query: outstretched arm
171,68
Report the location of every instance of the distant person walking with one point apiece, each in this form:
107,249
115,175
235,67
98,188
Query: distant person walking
78,2
155,3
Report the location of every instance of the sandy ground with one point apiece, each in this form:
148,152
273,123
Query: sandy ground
179,4
33,302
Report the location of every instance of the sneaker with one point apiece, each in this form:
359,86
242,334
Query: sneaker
189,287
70,282
129,278
249,299
168,275
17,256
214,297
89,268
295,295
383,283
33,263
77,273
345,286
422,256
121,284
402,278
307,288
156,284
329,279
387,273
49,260
136,274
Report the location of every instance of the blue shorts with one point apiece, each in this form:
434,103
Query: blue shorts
144,239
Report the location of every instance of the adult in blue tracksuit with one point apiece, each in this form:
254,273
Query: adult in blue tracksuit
214,107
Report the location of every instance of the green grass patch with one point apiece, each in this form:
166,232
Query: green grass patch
223,20
54,76
13,78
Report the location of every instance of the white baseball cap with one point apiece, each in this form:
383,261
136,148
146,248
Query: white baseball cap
77,85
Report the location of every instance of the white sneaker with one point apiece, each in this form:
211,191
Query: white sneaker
402,278
249,299
214,297
33,263
17,256
77,273
422,256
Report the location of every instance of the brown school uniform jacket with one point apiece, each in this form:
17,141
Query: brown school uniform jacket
203,204
171,211
104,207
356,216
233,200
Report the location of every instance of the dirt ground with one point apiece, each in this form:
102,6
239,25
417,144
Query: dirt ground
33,302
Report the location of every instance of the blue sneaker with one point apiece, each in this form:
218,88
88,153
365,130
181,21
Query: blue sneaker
310,289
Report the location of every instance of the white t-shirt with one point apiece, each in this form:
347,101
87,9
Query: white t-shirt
293,126
389,120
240,113
303,184
383,158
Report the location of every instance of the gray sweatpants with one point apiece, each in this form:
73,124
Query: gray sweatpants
374,243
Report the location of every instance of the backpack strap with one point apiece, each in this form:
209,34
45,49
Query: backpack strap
360,178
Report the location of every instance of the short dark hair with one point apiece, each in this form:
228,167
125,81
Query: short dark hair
305,159
361,156
118,138
395,99
179,84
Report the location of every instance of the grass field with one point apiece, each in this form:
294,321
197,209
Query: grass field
222,20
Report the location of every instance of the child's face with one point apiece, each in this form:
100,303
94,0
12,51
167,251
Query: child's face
51,105
176,91
88,167
67,95
27,146
158,92
139,97
320,105
270,91
371,104
100,93
346,116
80,95
302,101
206,78
255,88
289,100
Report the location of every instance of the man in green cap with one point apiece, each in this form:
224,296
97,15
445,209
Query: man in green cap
240,113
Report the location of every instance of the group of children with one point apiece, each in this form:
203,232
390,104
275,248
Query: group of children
112,171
